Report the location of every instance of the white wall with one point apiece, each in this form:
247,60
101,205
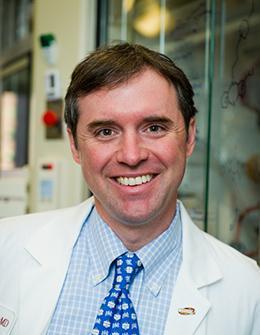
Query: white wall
73,24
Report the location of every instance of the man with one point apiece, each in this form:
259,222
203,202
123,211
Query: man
131,124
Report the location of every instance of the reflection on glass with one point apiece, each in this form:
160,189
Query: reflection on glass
234,196
136,21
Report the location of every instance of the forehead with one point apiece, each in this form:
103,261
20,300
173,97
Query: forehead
145,93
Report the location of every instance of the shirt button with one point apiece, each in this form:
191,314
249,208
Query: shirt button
97,277
154,287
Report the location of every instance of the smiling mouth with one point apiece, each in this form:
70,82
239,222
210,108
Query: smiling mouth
134,181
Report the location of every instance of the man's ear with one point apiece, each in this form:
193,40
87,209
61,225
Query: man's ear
191,138
73,147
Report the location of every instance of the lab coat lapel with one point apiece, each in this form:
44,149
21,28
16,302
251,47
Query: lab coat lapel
198,271
46,268
185,295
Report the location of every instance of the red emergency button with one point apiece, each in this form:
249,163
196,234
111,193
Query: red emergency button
50,118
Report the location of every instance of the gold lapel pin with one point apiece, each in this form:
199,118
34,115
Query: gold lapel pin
187,311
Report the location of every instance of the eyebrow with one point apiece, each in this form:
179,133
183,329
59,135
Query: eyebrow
100,123
159,119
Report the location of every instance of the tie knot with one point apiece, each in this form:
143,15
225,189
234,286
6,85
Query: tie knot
127,266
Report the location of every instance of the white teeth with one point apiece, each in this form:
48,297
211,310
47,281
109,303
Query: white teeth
138,180
131,181
144,180
134,181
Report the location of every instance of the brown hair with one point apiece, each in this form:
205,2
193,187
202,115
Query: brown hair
112,65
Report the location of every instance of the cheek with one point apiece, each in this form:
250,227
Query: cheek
94,159
170,152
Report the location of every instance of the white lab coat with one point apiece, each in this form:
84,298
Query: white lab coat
220,284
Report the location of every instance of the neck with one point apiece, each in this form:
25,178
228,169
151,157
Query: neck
134,237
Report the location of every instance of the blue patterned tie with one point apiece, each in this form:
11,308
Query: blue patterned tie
116,315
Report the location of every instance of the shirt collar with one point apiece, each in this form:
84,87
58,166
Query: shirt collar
104,247
157,256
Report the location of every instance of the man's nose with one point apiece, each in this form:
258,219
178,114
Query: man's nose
132,150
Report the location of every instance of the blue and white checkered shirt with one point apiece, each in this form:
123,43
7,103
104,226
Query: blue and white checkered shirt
90,276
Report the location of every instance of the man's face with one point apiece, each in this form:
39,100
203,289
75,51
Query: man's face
132,146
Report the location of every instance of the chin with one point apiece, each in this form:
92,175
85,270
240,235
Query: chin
139,218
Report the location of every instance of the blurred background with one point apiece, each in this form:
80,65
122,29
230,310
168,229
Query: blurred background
217,44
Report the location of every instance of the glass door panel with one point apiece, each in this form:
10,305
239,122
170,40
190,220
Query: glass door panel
234,193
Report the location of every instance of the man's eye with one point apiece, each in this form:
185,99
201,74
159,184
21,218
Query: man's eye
155,128
105,132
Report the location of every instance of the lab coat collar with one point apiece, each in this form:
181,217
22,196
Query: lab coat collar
45,245
197,254
50,249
